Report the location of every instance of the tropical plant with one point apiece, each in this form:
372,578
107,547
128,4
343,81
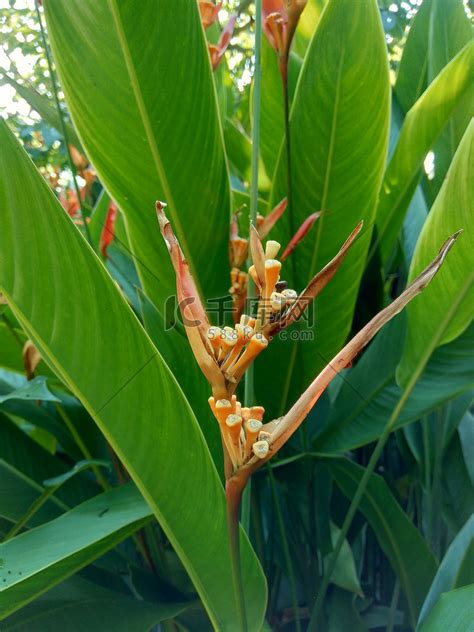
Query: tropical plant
179,455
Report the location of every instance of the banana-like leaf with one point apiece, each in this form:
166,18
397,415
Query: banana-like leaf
422,126
82,324
455,570
78,605
412,73
450,31
454,611
164,140
369,392
407,552
447,307
339,135
45,108
42,557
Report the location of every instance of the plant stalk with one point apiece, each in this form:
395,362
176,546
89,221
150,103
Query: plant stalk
257,78
63,126
233,492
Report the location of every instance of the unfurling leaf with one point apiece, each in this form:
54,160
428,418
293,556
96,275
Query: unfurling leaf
31,359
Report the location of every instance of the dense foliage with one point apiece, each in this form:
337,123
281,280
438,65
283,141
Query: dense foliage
314,121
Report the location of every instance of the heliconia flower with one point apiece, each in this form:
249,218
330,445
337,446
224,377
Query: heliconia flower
108,232
267,438
217,51
209,12
300,234
280,19
238,252
314,287
194,315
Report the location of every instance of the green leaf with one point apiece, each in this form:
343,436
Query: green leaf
79,605
11,357
454,611
239,150
345,573
44,106
457,497
272,111
459,554
36,389
445,308
82,324
413,70
466,437
18,493
86,464
161,143
42,557
94,610
407,552
339,135
168,336
369,392
32,461
306,26
422,126
450,31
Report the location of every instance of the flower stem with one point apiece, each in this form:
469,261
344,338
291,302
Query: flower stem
257,78
233,491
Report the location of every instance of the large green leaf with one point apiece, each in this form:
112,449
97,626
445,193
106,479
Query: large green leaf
456,569
454,611
446,308
450,31
370,393
42,557
78,605
82,324
408,553
422,126
139,88
413,70
339,134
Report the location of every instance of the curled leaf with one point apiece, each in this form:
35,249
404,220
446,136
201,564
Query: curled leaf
31,359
